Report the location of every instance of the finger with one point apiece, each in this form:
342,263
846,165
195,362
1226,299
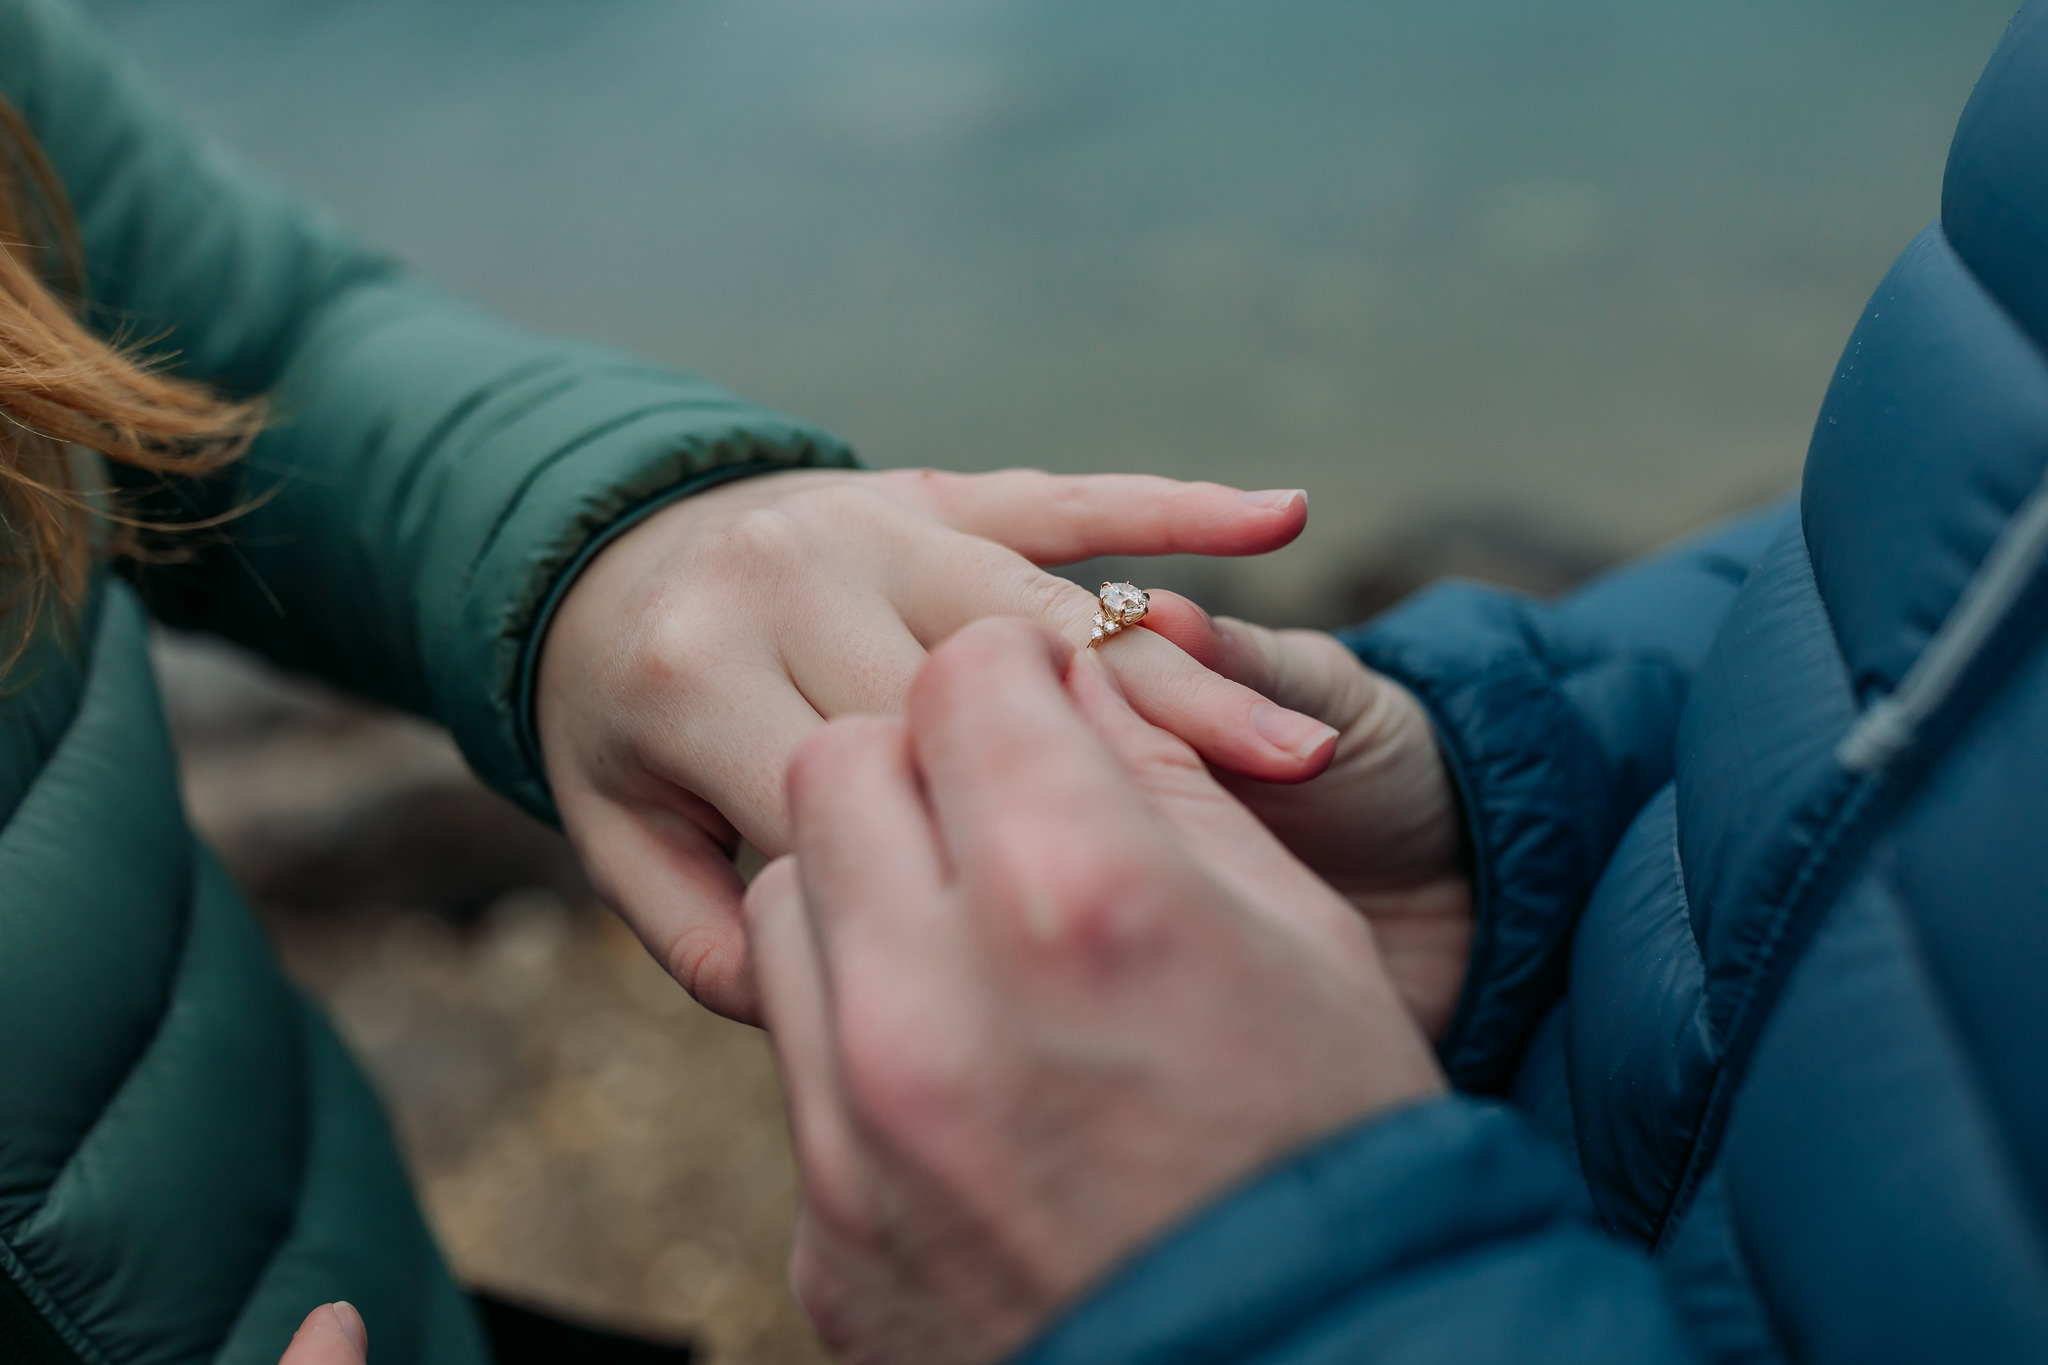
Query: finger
1060,518
967,578
737,758
796,1010
910,999
1214,827
332,1334
1008,761
1229,724
676,888
1193,631
1031,800
1304,670
858,663
1156,758
866,850
1240,651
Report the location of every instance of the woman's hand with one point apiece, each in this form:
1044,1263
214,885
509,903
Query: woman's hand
1039,986
1382,822
695,654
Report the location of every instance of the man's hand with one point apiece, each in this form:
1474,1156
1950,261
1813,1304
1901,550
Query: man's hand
332,1334
1038,986
1381,823
697,652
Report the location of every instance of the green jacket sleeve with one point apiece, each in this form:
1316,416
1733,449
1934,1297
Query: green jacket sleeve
433,475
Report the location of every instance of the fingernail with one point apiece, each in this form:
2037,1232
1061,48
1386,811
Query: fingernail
1290,730
351,1324
1278,499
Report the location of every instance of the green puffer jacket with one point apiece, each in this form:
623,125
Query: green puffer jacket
189,1161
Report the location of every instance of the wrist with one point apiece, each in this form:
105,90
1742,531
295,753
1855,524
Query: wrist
531,695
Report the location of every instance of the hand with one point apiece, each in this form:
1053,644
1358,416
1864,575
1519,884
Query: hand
1382,823
694,655
332,1334
1038,986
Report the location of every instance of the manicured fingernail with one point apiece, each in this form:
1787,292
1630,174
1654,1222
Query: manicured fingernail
351,1324
1278,499
1290,730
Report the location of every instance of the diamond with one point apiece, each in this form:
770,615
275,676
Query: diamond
1123,603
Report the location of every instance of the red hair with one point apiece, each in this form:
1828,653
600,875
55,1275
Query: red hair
63,388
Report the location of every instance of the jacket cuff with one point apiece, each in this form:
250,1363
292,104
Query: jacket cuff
1285,1255
569,510
1536,795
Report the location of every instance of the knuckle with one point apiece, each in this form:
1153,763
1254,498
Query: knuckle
925,486
1290,653
661,649
666,658
840,506
907,1078
1092,899
1048,492
1057,601
1387,712
760,540
705,958
1192,690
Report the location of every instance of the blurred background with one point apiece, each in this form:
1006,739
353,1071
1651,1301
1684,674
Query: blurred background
1512,290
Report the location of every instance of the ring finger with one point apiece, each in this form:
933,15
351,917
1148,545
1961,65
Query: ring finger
1230,725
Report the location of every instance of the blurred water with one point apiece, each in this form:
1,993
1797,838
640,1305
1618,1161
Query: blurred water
1588,261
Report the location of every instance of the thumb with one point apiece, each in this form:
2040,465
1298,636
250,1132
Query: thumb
332,1334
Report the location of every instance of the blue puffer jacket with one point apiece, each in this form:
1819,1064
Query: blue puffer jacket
1754,1047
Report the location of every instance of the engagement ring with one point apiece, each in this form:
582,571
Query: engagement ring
1123,604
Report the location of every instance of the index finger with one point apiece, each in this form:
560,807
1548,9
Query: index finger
1061,518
